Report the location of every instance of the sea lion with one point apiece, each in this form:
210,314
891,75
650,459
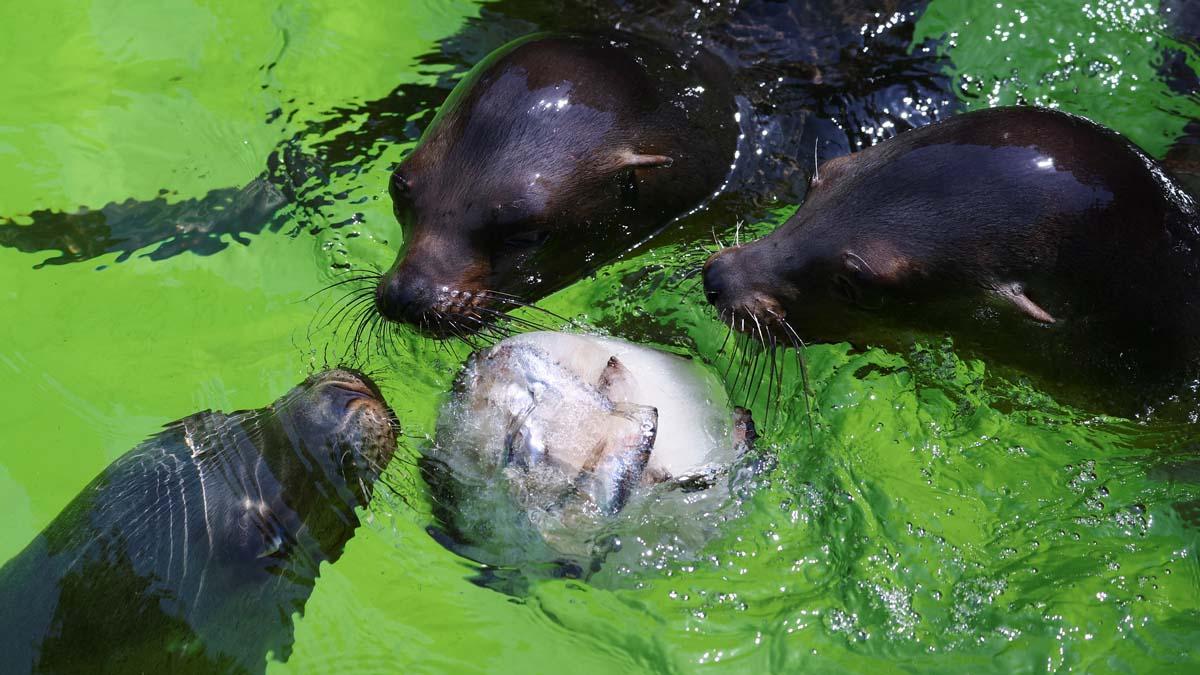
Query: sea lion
192,552
1032,237
552,156
548,436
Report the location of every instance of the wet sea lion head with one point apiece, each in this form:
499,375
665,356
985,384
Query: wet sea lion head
339,419
551,157
1028,233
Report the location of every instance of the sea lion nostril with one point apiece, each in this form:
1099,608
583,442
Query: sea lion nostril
345,396
403,298
351,380
353,388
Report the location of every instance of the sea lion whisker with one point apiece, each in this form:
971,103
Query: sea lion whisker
775,398
361,324
717,240
348,304
324,317
448,320
387,338
359,313
495,332
433,321
352,313
757,377
759,372
376,334
728,331
394,334
341,282
797,347
744,350
816,165
513,300
496,317
384,337
731,354
500,317
460,331
486,331
758,327
424,323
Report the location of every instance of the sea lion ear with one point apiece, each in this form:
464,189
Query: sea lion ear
634,160
1015,294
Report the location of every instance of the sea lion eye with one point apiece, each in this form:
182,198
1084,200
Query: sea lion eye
528,239
399,186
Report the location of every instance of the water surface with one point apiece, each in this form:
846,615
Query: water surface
940,518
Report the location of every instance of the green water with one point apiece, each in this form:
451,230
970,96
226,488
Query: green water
941,518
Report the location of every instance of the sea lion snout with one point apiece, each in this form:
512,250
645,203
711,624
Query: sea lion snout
336,394
722,279
404,298
343,413
730,287
429,285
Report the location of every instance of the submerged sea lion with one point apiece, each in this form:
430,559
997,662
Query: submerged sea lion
193,551
1031,236
553,155
547,436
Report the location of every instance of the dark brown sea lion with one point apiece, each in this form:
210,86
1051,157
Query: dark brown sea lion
554,155
1033,237
193,551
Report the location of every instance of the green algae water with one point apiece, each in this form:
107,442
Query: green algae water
930,516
